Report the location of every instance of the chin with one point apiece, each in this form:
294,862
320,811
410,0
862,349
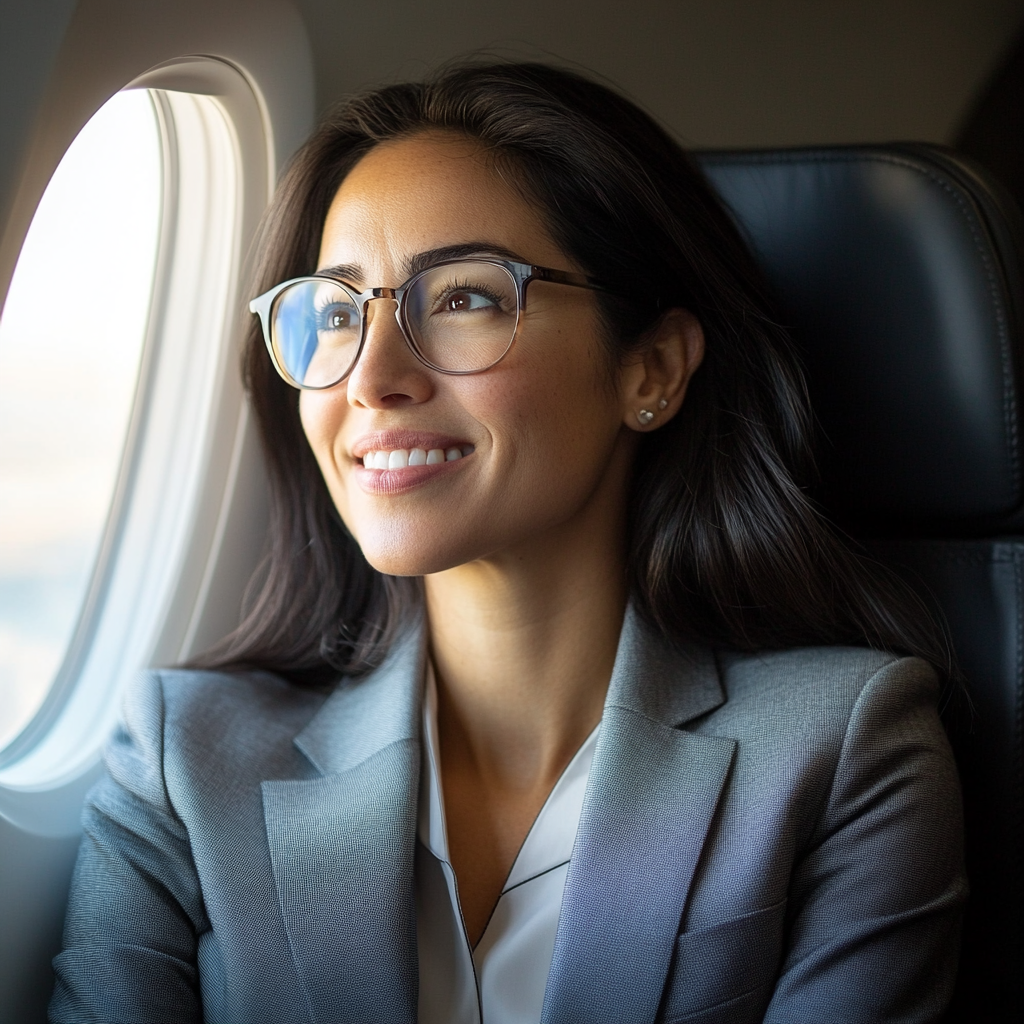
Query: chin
404,556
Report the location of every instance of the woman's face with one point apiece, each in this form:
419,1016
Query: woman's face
541,434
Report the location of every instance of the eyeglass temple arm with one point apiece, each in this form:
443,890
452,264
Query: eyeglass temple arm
582,281
567,277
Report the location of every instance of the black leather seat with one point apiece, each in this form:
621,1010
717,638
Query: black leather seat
897,268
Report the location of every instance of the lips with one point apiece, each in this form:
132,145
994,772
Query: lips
401,458
397,445
390,462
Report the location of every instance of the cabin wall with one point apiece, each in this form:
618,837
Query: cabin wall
729,73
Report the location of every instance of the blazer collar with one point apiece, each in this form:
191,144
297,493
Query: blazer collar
651,797
342,846
672,685
668,684
364,716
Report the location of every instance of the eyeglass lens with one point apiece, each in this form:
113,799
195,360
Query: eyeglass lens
458,317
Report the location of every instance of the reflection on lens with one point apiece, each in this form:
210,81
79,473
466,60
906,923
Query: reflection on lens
462,316
315,332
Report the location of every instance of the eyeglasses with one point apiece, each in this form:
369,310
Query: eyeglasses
457,317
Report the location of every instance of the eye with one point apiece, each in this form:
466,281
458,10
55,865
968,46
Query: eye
460,294
336,316
465,300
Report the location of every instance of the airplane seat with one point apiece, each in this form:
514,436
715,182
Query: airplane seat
898,269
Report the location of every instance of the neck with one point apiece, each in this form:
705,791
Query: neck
523,648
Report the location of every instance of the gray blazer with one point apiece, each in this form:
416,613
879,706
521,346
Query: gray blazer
773,837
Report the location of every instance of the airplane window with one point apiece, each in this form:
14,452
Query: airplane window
71,340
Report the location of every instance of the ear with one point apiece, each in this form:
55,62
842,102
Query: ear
655,379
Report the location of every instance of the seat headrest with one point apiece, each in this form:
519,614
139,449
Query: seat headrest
897,269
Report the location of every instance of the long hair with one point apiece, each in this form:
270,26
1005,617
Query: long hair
725,547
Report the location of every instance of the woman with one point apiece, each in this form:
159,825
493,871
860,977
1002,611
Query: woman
557,701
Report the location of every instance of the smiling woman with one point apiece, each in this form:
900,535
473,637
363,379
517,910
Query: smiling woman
557,699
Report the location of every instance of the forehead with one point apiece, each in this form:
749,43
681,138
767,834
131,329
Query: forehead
427,192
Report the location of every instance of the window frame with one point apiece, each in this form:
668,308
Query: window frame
176,552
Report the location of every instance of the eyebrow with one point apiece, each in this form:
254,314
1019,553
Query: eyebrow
353,273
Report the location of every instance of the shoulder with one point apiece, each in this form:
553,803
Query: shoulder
216,703
200,721
822,734
839,669
810,704
204,698
822,681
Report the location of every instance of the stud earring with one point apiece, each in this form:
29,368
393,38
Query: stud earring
645,416
662,403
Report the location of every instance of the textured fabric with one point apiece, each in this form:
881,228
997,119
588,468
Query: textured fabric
502,979
770,837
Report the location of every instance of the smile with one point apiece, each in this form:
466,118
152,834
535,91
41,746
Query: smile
401,458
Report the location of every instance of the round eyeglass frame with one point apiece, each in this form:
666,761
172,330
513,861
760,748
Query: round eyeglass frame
521,273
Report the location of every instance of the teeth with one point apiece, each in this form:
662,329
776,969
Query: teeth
399,458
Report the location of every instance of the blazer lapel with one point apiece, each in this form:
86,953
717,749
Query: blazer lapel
342,847
651,796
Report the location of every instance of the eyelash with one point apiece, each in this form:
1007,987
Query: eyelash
321,310
474,289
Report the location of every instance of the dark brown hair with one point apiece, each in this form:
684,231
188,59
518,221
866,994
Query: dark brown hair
725,546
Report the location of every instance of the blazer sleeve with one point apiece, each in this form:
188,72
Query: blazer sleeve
135,911
876,899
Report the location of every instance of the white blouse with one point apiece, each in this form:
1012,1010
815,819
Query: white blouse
502,980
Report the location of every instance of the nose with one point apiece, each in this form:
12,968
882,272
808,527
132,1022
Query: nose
387,373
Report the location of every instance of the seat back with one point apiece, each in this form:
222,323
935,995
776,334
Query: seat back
898,270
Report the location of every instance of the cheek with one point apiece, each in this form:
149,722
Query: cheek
314,414
554,417
322,414
566,392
